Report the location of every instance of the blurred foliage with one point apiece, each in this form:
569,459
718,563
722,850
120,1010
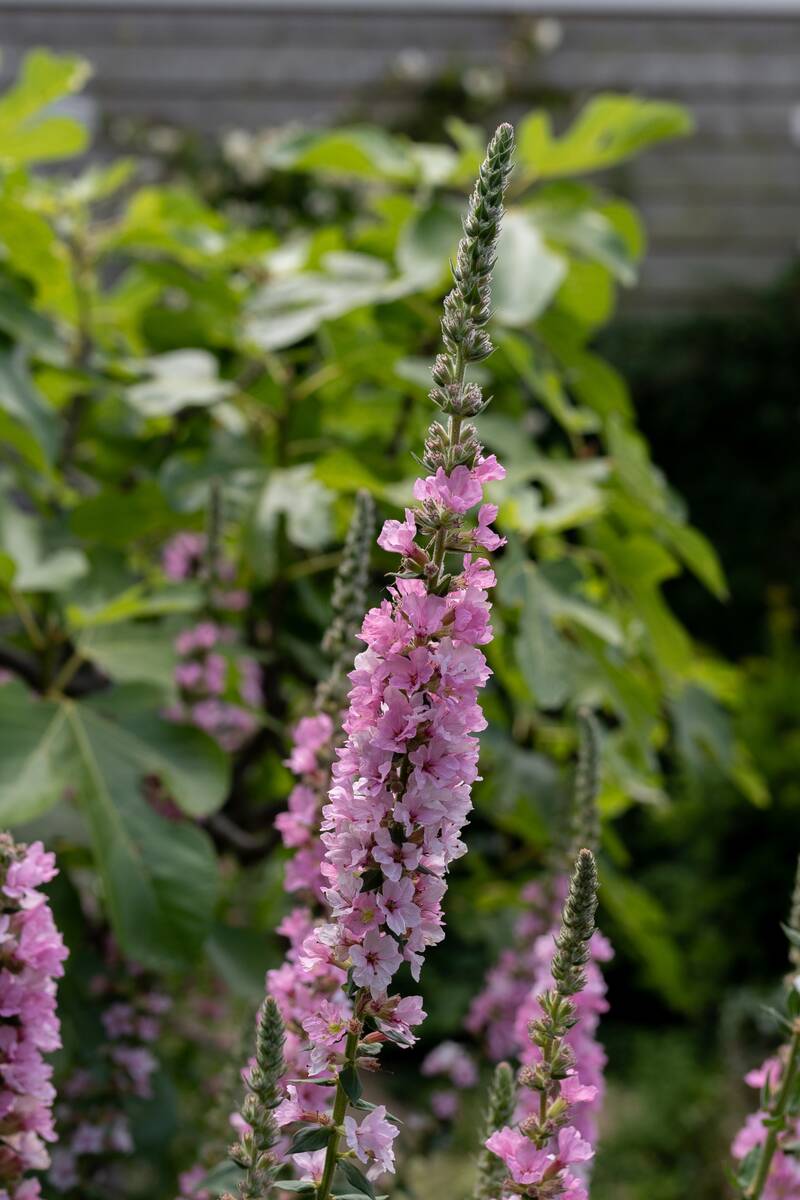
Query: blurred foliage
726,381
156,350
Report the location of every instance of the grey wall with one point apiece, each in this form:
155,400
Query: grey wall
723,209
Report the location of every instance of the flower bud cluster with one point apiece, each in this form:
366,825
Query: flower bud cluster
545,1153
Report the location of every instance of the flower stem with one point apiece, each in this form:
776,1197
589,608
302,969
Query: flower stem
777,1116
339,1110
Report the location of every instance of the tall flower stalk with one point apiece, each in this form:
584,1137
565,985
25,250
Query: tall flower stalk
300,994
769,1167
254,1152
401,783
499,1113
32,954
541,1153
509,999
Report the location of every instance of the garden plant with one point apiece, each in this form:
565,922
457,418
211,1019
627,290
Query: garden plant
246,721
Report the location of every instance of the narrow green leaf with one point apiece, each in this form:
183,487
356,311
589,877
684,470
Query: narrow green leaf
313,1137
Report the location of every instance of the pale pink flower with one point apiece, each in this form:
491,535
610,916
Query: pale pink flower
375,961
371,1140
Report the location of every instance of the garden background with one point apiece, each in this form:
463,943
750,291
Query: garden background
223,326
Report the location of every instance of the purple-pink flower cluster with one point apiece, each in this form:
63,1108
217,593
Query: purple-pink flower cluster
32,954
219,685
586,1085
545,1151
783,1180
401,783
508,1001
508,984
547,1171
453,1064
306,995
93,1123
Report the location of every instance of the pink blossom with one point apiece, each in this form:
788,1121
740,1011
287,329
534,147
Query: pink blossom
572,1148
526,1164
488,469
311,1165
398,536
375,961
483,534
371,1140
459,491
396,902
328,1026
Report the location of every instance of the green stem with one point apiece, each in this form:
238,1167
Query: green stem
777,1113
339,1110
29,623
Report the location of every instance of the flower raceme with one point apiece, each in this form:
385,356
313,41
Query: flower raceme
306,996
31,956
545,1155
401,784
508,1001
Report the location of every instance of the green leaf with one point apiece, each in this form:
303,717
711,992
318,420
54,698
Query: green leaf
608,130
527,274
348,1078
303,1186
23,323
698,554
118,517
360,151
131,653
358,1183
302,500
584,231
644,924
159,876
27,133
427,242
33,743
224,1177
313,1137
192,767
177,380
542,655
240,958
136,601
36,569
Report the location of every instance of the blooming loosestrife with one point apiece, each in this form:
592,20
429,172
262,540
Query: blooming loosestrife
302,995
220,687
509,1001
766,1147
541,1152
31,956
402,781
93,1124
